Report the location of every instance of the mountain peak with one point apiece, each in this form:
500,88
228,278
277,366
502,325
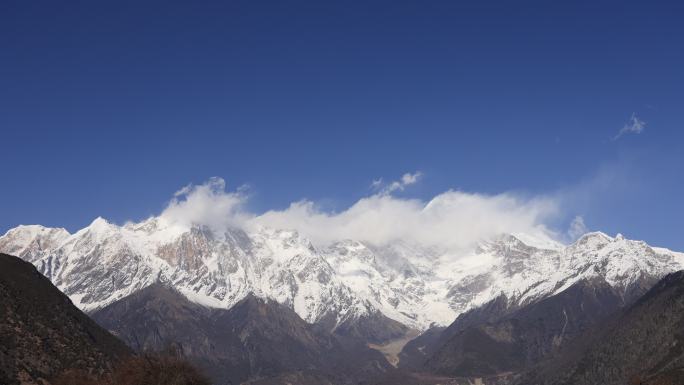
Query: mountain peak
594,237
36,230
98,222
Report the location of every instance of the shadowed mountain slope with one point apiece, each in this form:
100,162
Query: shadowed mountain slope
415,354
501,338
256,339
644,344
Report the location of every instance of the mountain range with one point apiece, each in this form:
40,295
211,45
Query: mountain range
493,311
340,283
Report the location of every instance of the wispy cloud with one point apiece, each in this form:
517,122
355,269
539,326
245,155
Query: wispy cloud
577,228
398,185
633,126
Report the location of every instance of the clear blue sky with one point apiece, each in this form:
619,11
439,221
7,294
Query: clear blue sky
107,108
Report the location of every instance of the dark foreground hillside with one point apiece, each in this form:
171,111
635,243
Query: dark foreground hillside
42,333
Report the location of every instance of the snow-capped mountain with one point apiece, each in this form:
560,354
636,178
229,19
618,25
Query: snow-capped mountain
413,284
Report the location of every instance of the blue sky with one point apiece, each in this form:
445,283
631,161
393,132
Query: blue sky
108,108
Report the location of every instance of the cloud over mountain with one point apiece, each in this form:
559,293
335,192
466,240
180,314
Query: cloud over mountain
208,204
453,219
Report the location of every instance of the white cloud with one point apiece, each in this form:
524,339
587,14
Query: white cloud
408,179
399,185
453,219
634,126
577,228
208,205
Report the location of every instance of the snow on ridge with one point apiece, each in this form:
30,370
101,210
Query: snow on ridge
413,284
